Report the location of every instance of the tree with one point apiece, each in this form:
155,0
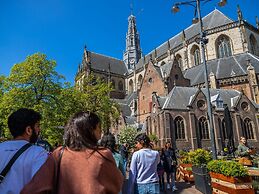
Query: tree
35,84
127,135
97,99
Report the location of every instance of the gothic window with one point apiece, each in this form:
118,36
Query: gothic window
113,84
223,46
179,128
195,52
140,80
248,129
120,85
203,128
130,86
224,130
179,60
253,44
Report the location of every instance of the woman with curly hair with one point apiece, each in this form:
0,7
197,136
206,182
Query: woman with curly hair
83,168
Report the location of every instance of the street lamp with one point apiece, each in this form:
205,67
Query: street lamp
203,41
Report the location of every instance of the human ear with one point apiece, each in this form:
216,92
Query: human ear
28,130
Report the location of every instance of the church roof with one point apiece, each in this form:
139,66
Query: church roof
212,20
232,66
101,63
180,97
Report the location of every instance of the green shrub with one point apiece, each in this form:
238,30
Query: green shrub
227,168
199,157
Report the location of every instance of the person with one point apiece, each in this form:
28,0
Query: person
24,126
170,165
243,150
161,170
143,177
83,168
109,141
124,153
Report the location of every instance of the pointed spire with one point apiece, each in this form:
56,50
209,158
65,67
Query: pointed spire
239,13
257,22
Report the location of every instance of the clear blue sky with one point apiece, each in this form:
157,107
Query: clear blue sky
61,28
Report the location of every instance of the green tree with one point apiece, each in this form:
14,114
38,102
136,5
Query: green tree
127,135
34,84
97,99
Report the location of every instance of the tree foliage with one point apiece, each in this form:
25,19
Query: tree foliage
35,84
127,135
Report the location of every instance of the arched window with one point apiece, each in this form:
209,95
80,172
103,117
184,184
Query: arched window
130,86
223,46
179,128
120,85
248,129
203,128
140,77
179,60
224,130
113,84
253,44
195,52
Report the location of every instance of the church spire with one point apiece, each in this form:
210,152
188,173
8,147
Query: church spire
133,52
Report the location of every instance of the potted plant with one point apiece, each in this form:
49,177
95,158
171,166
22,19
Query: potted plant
229,177
199,159
185,167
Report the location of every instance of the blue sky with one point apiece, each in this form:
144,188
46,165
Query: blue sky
61,28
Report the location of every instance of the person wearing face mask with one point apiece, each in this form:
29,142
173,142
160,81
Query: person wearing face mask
81,166
24,126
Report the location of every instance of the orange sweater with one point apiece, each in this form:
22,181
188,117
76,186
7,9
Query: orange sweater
81,172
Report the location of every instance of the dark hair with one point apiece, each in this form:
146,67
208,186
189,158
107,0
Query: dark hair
79,131
22,118
143,139
109,141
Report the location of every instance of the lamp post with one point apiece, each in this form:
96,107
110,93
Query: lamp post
203,41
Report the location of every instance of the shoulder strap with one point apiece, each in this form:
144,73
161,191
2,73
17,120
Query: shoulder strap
13,159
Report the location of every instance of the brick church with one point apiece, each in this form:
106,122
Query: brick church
162,92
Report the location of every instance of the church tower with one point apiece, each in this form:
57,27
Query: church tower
133,52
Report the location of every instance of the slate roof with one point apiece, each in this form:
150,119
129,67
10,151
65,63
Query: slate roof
180,97
212,20
232,66
101,63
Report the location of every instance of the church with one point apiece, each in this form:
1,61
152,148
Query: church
163,92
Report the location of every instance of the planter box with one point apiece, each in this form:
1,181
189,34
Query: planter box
202,179
186,174
224,184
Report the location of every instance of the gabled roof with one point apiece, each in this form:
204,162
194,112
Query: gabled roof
212,20
180,97
102,62
223,68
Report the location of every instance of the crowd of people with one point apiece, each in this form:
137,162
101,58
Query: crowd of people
88,162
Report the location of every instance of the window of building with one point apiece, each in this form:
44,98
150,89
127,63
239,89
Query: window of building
253,44
203,128
120,85
150,80
130,86
179,60
223,46
113,84
195,52
248,129
179,128
140,77
223,129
